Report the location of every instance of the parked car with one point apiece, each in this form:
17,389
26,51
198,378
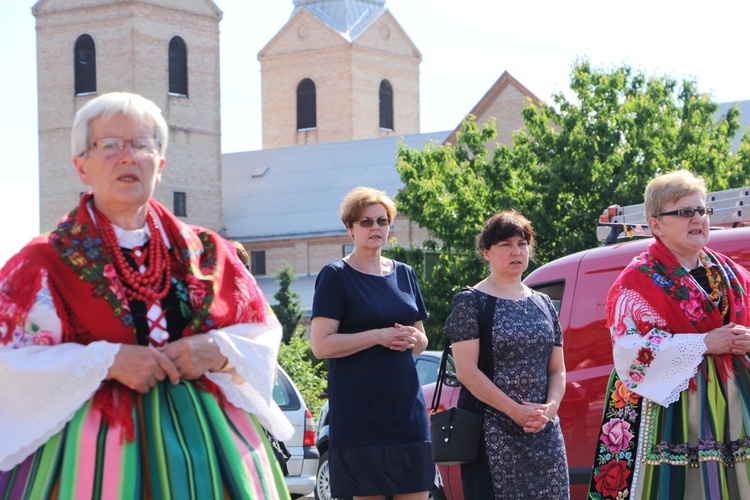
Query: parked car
427,364
578,285
303,463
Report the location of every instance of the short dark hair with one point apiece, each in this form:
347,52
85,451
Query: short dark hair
504,225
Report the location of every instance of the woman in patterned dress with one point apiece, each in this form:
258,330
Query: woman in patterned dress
676,420
137,354
522,452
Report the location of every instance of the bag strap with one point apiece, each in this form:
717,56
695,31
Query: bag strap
485,333
439,383
484,322
541,305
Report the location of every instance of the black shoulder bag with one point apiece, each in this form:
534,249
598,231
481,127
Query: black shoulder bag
455,432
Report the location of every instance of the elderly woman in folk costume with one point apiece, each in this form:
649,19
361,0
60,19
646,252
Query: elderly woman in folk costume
137,353
677,411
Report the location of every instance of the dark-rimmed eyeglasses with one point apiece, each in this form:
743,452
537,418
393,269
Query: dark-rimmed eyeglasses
143,147
689,212
382,222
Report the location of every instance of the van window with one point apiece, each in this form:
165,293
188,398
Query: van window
554,289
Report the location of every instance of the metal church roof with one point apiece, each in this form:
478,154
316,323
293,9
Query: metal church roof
296,192
347,17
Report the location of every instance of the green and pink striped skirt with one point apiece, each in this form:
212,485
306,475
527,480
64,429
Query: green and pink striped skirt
186,446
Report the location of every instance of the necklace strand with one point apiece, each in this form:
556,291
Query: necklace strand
153,283
515,301
716,285
525,304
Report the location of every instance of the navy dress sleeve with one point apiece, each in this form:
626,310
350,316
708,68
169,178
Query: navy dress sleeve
329,300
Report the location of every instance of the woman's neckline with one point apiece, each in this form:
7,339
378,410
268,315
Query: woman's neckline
393,262
525,297
517,295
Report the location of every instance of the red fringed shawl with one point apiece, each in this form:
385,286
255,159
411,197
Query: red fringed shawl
90,300
673,292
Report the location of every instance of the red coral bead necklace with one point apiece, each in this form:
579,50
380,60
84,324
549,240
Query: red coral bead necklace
153,283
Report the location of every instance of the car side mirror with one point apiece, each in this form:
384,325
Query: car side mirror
451,380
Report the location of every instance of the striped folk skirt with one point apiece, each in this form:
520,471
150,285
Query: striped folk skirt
186,446
698,447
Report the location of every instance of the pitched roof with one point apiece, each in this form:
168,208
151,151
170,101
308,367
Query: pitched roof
491,96
296,192
347,17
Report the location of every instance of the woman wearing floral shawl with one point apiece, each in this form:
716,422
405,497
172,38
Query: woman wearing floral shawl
677,413
137,354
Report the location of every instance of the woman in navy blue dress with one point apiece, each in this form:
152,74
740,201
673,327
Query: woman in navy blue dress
367,319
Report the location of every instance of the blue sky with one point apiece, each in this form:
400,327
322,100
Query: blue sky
465,47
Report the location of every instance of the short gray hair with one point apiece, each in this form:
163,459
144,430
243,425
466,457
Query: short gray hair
670,187
107,105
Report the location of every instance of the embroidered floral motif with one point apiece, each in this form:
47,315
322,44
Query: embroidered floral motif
679,285
83,251
183,296
622,396
200,286
646,356
611,481
617,444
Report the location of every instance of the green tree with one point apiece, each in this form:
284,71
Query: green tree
622,129
572,160
308,374
451,190
288,309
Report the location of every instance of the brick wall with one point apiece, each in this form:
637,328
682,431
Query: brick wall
131,41
347,78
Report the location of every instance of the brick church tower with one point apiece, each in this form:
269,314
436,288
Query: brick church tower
339,70
165,50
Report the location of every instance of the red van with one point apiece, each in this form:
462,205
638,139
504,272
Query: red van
578,285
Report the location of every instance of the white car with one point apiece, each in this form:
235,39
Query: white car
303,463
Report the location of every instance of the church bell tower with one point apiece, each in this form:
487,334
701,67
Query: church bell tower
165,50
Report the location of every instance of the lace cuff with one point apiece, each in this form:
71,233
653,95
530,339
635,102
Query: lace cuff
669,372
252,349
43,387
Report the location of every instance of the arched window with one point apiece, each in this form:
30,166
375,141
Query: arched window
306,112
178,83
386,105
84,61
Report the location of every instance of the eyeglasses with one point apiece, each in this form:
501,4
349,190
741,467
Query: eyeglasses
689,212
382,222
143,147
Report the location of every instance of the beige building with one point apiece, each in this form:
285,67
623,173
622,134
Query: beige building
340,92
339,70
165,50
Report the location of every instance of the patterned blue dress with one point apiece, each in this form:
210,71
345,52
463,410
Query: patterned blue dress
379,434
521,465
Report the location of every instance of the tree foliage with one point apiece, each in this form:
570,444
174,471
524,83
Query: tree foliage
308,374
572,160
288,309
623,129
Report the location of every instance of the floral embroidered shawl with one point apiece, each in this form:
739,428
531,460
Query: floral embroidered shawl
671,290
84,286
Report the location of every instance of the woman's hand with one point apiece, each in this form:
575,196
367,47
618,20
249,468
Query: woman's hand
728,339
141,367
195,355
531,416
400,337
